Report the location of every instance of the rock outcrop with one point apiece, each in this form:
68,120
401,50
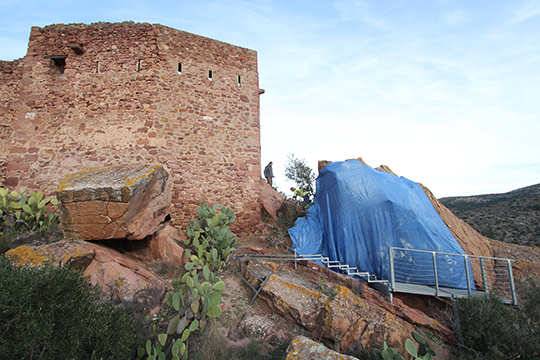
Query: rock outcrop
270,200
351,320
469,239
472,242
260,327
118,276
164,246
124,201
303,348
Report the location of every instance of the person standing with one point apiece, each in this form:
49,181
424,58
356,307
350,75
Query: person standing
269,173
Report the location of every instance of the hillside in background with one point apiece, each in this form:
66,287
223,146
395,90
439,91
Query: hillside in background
512,217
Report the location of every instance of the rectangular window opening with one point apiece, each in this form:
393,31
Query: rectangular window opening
210,75
180,68
139,64
97,67
59,62
239,81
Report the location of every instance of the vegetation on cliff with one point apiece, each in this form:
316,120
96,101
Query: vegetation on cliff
494,330
511,217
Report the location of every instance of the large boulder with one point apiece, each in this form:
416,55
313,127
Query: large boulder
468,239
270,200
350,319
118,276
163,245
124,201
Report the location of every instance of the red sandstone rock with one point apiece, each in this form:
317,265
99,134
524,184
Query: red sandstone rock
121,277
118,276
306,349
270,199
345,318
472,242
164,245
349,320
253,325
294,300
126,201
71,253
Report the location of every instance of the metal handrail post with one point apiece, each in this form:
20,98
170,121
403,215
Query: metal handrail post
512,285
392,277
435,273
465,258
484,277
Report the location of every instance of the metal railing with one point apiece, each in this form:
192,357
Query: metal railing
413,271
479,274
261,273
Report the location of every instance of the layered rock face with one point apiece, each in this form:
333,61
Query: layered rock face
344,311
118,276
114,202
303,348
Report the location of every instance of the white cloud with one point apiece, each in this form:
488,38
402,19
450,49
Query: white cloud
524,12
443,94
457,17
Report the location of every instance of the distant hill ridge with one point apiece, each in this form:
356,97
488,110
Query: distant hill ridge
512,217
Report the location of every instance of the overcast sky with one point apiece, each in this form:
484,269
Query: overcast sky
446,93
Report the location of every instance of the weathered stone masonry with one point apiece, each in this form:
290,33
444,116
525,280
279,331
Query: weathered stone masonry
104,94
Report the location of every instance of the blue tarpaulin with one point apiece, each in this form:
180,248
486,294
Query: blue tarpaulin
359,212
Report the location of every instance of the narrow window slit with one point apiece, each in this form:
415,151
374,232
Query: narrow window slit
210,75
239,81
97,67
180,68
139,64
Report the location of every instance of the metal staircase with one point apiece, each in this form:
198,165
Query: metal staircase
495,274
262,273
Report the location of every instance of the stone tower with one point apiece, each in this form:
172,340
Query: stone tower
118,93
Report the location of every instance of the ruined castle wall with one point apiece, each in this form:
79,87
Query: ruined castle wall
10,78
119,98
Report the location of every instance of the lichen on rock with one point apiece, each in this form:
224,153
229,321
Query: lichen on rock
122,201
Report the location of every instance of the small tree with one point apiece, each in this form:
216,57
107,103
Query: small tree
298,171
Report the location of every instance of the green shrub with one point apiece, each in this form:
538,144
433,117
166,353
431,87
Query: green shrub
493,330
54,313
531,308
